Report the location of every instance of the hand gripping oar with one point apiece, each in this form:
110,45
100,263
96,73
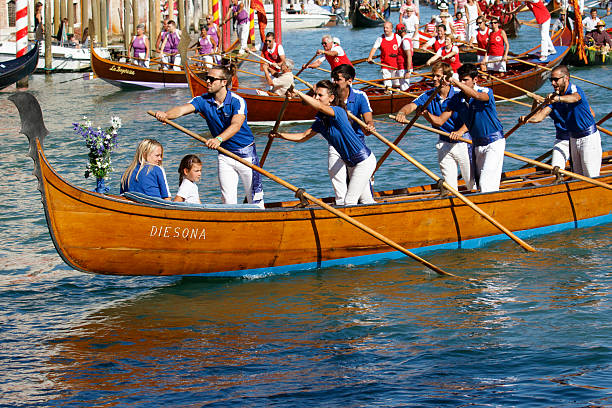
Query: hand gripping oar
306,65
301,193
437,179
533,112
527,160
418,112
529,94
275,128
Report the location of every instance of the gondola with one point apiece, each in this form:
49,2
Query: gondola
364,17
264,107
511,26
594,56
13,70
144,236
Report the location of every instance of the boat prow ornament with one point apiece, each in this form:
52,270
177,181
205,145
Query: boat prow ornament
32,125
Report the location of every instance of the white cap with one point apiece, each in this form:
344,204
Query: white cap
336,40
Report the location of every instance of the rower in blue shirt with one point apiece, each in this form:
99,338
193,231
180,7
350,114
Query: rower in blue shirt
333,124
358,104
476,108
451,153
225,114
570,109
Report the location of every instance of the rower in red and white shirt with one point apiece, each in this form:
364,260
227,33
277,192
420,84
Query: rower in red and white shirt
459,26
481,38
404,57
439,40
389,44
333,53
497,48
449,54
273,52
542,17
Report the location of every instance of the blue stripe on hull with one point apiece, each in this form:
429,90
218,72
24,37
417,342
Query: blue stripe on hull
366,259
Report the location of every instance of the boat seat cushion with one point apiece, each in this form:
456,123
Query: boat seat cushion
147,199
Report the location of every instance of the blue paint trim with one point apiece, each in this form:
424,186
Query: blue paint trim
366,259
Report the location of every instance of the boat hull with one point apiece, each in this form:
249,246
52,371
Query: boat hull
18,68
111,235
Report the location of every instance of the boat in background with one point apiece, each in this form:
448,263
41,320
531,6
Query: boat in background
315,17
364,16
163,238
65,59
13,70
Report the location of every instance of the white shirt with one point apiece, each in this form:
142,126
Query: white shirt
379,40
188,190
590,24
334,48
411,23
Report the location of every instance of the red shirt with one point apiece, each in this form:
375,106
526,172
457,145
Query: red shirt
496,44
272,55
454,60
540,11
389,50
483,41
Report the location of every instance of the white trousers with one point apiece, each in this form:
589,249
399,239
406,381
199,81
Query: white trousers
547,47
561,153
451,155
230,171
359,177
586,154
390,73
403,84
489,162
242,31
142,62
496,63
338,174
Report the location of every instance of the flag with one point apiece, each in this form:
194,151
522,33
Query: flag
258,6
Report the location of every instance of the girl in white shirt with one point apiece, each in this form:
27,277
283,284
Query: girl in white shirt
190,171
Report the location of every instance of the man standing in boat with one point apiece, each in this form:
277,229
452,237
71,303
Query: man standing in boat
358,104
169,45
238,11
451,153
334,54
542,16
273,52
476,108
570,109
225,114
389,44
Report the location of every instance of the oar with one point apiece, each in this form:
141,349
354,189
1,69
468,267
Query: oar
301,193
604,119
526,160
306,64
377,85
272,64
533,112
417,113
276,125
360,60
383,65
437,179
510,84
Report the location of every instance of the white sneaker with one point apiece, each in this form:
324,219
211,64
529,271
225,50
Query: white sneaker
553,52
543,57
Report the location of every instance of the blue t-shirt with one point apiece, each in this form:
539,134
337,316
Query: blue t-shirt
358,103
480,117
437,106
339,133
151,181
577,116
219,118
559,121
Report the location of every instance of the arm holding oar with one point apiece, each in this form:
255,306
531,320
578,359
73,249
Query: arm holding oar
276,125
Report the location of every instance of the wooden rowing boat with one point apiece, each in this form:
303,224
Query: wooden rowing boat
264,107
163,239
594,55
13,70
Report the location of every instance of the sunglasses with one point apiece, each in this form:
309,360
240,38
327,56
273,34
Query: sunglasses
553,79
268,41
212,79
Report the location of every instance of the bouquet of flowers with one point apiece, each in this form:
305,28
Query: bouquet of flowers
100,143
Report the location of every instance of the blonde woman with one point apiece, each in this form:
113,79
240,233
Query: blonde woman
145,174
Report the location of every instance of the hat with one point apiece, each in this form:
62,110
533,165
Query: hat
400,27
409,8
601,23
336,40
443,7
444,14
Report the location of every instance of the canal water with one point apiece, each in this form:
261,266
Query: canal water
534,331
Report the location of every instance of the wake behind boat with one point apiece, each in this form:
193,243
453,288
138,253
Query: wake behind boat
160,238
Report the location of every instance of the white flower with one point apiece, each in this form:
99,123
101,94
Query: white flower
116,122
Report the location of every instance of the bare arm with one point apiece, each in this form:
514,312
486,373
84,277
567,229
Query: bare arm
470,92
404,111
295,137
439,120
266,71
175,112
571,98
506,45
148,48
315,104
538,117
228,133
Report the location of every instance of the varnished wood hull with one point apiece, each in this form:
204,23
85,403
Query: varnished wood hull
131,76
138,239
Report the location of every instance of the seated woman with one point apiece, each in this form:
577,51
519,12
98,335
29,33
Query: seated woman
145,174
333,123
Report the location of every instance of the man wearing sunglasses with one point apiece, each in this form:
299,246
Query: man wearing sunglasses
273,52
334,54
225,114
476,108
574,123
